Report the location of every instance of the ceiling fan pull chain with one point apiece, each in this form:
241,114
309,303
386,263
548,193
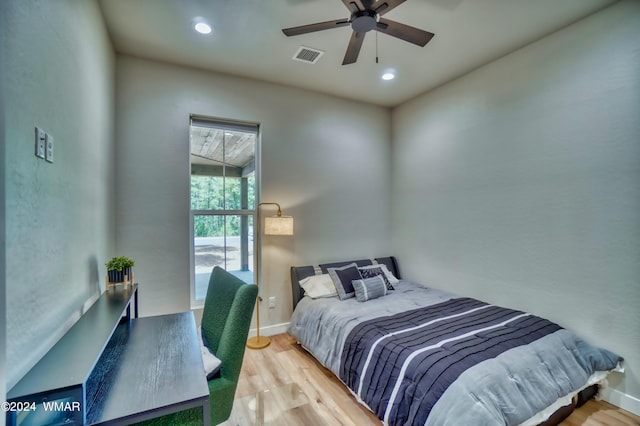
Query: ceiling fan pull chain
376,47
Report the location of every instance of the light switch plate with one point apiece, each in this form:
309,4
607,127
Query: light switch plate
40,141
49,149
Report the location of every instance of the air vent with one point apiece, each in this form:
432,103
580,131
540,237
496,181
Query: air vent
307,54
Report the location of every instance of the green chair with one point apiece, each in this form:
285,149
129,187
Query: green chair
226,318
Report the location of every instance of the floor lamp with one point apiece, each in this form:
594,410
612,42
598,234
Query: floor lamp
273,225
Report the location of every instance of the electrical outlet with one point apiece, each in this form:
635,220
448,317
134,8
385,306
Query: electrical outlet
48,152
272,302
40,142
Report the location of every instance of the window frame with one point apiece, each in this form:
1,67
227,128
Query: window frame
231,125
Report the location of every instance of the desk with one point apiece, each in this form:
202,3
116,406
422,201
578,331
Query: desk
115,371
62,372
151,367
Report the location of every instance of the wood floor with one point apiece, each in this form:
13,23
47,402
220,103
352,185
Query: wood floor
328,401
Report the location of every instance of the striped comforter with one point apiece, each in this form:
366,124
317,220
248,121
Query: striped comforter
401,365
449,360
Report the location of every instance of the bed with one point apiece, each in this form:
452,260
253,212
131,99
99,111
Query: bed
416,355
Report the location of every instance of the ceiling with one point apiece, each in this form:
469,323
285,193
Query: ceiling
218,147
247,40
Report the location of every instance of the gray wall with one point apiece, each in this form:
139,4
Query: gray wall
519,183
325,160
3,306
59,230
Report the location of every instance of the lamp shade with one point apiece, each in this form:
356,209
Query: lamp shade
278,225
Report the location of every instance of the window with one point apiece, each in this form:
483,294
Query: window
223,200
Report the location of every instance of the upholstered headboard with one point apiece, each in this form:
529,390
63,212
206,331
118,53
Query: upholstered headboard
300,272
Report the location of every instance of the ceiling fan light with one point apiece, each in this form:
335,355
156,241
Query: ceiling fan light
388,76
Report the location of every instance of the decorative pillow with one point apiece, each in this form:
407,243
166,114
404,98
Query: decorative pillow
210,361
317,286
392,279
342,278
369,288
373,272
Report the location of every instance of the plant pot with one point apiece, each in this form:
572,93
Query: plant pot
116,276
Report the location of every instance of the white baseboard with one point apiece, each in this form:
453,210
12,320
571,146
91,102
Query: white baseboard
270,330
622,400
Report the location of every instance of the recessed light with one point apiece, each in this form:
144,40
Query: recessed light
388,76
201,26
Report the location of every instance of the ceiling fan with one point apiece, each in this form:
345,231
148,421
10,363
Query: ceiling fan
366,15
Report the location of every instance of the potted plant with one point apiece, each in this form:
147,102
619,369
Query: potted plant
119,267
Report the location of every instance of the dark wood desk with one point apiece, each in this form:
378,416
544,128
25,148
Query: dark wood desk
62,372
115,370
151,367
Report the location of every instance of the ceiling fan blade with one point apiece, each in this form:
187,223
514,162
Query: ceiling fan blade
383,6
404,32
353,5
353,50
320,26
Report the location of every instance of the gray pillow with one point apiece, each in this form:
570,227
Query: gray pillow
369,288
372,272
342,278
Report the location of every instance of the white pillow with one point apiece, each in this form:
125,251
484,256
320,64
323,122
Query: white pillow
317,286
210,361
392,279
